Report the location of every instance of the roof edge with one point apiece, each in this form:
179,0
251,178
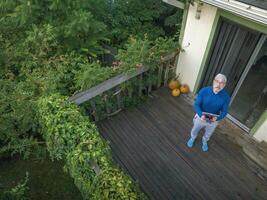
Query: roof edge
242,9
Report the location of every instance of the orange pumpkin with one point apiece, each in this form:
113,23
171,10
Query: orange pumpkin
174,84
176,92
184,89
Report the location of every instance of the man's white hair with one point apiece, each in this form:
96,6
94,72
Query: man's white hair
221,78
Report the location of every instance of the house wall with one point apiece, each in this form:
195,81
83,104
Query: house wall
261,134
195,40
261,131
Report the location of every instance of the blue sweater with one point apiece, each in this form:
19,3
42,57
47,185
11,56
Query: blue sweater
208,101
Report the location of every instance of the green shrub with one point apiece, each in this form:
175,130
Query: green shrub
72,137
113,184
92,74
62,125
18,122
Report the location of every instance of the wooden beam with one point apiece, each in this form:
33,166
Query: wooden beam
105,86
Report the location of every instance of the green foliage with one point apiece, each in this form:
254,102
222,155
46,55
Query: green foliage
19,94
84,79
75,26
71,136
83,33
144,52
50,48
65,129
59,120
14,103
40,44
57,74
112,184
162,46
17,116
19,192
82,160
135,53
123,18
30,72
19,128
136,17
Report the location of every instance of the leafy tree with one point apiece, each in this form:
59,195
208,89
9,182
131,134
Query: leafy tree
17,116
84,79
51,46
136,17
76,26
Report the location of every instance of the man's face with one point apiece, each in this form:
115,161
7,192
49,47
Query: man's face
218,85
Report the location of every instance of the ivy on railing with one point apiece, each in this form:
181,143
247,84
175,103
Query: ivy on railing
72,137
112,95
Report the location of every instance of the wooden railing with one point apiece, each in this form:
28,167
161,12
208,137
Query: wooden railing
113,88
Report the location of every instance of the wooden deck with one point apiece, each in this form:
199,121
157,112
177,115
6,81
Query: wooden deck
149,142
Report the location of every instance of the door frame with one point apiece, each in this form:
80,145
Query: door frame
247,23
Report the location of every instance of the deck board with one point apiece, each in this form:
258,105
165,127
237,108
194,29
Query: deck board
149,143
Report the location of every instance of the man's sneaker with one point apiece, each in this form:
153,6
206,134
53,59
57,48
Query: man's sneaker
190,142
205,146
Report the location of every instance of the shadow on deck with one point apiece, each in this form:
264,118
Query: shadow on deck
149,142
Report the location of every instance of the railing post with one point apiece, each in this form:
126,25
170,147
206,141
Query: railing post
118,95
149,83
140,85
160,74
130,93
166,75
92,102
107,105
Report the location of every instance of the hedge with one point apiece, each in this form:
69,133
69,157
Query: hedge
72,137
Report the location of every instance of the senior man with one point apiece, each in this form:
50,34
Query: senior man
211,106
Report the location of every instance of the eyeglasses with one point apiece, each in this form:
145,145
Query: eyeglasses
217,81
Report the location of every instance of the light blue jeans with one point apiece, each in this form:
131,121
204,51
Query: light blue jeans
199,124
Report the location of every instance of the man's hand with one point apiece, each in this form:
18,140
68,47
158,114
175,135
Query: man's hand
203,118
213,119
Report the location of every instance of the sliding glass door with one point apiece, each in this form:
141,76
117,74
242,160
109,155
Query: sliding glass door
241,54
231,50
249,100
